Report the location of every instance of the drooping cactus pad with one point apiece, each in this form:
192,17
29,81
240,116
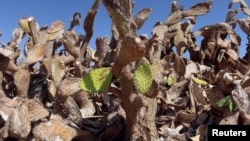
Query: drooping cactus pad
143,76
97,80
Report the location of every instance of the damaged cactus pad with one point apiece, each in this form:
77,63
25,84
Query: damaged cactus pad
143,76
97,80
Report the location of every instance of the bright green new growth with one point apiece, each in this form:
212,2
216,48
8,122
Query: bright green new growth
226,101
231,105
170,80
199,81
143,76
97,80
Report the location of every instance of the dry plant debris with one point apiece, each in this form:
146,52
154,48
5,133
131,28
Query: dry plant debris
132,87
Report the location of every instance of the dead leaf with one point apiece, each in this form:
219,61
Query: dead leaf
69,86
193,68
246,11
229,118
5,53
202,130
231,14
198,9
17,35
242,66
180,41
55,27
35,54
222,28
233,54
141,17
224,82
195,138
186,116
54,130
174,18
214,95
70,40
171,134
22,79
48,49
202,117
20,125
246,83
52,90
57,70
36,111
55,30
176,90
86,105
198,93
72,110
243,4
244,25
241,99
160,30
179,65
42,36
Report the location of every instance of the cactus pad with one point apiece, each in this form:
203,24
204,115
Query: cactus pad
97,80
143,76
199,81
55,30
23,23
170,80
35,54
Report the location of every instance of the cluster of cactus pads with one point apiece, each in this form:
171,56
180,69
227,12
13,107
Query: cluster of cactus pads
98,80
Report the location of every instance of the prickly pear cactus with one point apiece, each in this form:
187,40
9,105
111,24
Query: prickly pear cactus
97,80
143,76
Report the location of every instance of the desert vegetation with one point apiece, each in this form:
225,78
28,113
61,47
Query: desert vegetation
132,87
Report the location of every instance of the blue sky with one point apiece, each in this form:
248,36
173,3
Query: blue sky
47,11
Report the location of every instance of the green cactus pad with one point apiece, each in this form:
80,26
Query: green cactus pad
97,80
226,101
170,80
199,81
23,23
143,76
